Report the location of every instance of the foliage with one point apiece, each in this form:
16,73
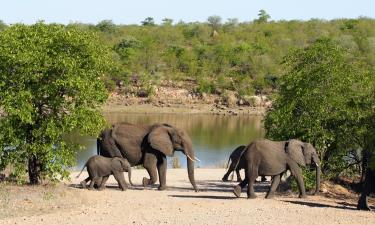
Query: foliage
245,53
149,21
51,84
262,16
323,98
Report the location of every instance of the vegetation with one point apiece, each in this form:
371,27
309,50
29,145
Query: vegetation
326,97
50,81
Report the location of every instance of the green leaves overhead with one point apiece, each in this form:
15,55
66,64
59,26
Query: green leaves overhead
324,98
51,84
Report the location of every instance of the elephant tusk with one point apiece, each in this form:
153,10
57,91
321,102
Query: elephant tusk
196,158
316,164
190,158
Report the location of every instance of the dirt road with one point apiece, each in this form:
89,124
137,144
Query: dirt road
214,204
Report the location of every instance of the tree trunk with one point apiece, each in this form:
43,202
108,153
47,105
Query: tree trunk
33,169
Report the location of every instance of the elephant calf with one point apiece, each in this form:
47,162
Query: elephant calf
100,168
237,162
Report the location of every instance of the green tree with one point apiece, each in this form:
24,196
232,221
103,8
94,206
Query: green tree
50,81
106,26
167,21
263,16
149,21
214,22
321,100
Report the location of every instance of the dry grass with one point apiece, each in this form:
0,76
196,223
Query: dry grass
28,200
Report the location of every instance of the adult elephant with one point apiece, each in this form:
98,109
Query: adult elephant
148,146
273,158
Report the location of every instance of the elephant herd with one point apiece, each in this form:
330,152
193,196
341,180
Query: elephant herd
126,145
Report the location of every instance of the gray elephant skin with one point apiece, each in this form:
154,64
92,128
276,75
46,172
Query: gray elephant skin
100,168
148,146
237,162
273,158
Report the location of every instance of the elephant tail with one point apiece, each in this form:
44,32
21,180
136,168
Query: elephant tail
81,171
239,158
226,167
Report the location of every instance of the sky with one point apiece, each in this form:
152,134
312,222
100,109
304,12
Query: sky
135,11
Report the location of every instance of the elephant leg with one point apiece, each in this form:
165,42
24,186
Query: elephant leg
150,164
162,171
102,185
119,176
238,175
252,172
93,181
237,189
84,182
297,173
274,184
226,175
263,179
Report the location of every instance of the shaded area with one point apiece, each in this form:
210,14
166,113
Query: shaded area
321,205
203,196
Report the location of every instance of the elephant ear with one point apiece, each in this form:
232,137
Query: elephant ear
295,150
160,139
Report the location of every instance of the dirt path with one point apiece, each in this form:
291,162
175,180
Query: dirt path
214,204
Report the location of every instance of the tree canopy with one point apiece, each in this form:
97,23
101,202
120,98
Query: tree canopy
324,98
51,85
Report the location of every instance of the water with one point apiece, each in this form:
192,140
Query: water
214,137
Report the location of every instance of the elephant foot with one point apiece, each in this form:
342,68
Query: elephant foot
251,196
270,195
224,179
237,191
90,188
162,188
145,181
83,184
101,188
239,180
264,179
302,196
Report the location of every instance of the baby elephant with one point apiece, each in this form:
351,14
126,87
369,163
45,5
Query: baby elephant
237,163
100,168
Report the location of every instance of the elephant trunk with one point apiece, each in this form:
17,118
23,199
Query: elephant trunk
318,174
190,168
130,176
190,157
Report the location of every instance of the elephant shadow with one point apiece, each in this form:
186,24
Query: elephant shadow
343,205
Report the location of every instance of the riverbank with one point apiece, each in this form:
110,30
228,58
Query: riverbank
179,100
179,204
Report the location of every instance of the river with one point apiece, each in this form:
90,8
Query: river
214,136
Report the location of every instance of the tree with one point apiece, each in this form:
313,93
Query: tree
106,26
149,21
50,81
214,22
263,16
322,100
167,22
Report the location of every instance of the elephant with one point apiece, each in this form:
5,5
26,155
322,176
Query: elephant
148,145
100,168
273,158
237,163
369,184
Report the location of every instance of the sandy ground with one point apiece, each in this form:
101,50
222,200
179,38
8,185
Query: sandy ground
214,204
